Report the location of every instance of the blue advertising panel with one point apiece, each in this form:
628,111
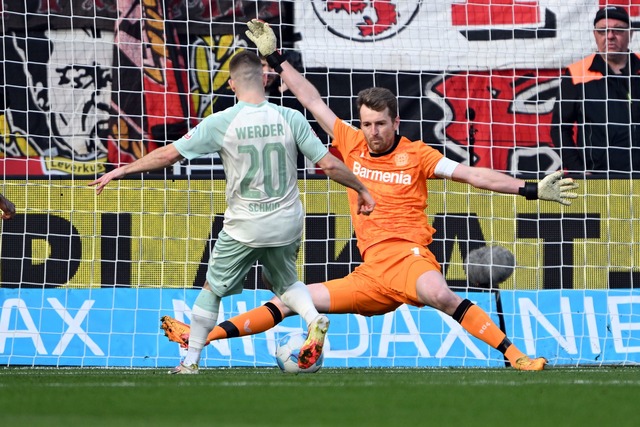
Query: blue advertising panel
120,328
576,327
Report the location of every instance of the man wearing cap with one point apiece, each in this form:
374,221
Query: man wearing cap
601,95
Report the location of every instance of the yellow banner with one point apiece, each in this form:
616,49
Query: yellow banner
157,233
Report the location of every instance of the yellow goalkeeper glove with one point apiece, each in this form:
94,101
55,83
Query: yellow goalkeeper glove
553,187
261,34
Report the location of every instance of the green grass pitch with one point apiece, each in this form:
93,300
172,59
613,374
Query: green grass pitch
602,397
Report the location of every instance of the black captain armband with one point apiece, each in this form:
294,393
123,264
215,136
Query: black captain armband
529,191
274,60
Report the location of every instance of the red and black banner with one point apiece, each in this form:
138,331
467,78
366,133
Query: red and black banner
499,119
88,84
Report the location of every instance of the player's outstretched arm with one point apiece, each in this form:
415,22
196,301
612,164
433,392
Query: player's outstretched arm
265,40
7,207
337,171
554,187
157,159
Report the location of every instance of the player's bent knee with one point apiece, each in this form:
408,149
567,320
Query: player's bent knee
439,296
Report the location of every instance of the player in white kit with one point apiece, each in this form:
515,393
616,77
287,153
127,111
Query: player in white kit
258,143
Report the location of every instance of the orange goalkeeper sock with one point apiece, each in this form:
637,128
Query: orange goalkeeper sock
478,323
251,322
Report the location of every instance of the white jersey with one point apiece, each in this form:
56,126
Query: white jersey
258,145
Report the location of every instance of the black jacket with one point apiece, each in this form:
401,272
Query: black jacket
606,109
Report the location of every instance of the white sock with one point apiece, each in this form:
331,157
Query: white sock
298,299
203,318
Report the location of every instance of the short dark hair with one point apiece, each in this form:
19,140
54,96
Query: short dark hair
378,99
245,59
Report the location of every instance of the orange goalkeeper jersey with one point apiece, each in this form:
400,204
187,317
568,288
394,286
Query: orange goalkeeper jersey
398,183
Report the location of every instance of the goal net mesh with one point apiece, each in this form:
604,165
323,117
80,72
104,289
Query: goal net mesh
86,86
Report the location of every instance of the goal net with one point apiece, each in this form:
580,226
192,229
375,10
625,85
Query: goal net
87,86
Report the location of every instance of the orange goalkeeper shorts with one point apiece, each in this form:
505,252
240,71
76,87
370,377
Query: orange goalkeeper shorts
386,280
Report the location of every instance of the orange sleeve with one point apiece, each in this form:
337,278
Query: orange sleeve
345,136
430,158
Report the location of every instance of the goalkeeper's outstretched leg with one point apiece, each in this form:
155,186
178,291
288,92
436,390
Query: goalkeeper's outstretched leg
370,302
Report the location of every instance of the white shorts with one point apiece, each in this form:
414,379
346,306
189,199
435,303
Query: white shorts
231,260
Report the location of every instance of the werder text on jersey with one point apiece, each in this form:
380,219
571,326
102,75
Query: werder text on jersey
259,131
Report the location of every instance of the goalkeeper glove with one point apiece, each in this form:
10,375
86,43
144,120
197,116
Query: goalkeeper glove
553,187
261,34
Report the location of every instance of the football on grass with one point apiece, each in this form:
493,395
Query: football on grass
287,350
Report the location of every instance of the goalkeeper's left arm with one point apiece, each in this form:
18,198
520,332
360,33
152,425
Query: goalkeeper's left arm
263,36
554,187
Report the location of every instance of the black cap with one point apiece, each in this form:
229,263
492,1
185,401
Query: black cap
612,12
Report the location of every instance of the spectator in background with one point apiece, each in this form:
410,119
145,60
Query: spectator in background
601,95
7,207
274,86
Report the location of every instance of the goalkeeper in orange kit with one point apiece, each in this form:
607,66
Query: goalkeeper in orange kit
398,267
